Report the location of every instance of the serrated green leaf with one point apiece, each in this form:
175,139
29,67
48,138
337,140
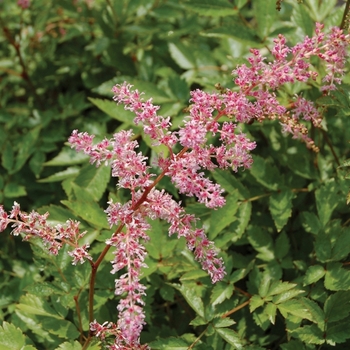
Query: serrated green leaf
34,305
336,278
296,308
309,334
13,190
224,216
255,302
302,19
261,242
182,55
7,157
326,200
239,32
159,246
61,175
239,274
265,173
62,328
67,156
114,110
231,337
317,314
223,322
26,148
323,247
280,206
94,179
338,333
70,346
243,218
88,211
284,296
171,343
278,287
210,8
11,338
341,248
337,306
230,183
313,274
221,291
265,14
270,310
193,275
310,222
282,245
193,299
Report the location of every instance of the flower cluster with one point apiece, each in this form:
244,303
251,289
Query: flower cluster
36,225
260,81
24,4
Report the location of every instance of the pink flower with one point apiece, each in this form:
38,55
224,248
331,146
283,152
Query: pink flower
23,3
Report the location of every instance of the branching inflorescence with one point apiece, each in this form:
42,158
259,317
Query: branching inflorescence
254,99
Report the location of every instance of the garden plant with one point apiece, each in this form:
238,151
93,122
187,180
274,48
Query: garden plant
174,174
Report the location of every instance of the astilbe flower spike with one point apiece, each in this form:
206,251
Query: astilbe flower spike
53,237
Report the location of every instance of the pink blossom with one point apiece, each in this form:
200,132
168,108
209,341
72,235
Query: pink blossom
24,4
53,237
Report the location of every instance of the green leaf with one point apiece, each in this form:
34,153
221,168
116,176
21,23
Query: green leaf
302,19
192,297
217,8
313,274
243,214
221,291
61,175
230,183
94,180
278,287
262,242
86,207
265,173
341,248
182,55
62,328
114,110
270,310
13,190
337,306
240,32
338,332
265,14
282,245
311,223
255,302
70,346
224,216
231,337
7,157
323,247
160,245
327,200
171,343
34,305
280,205
12,338
336,277
309,334
26,148
67,156
296,308
223,322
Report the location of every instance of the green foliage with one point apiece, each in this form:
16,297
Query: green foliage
284,232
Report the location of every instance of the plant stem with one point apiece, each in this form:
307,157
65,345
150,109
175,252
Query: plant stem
346,17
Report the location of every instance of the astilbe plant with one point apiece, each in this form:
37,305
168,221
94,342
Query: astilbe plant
254,99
